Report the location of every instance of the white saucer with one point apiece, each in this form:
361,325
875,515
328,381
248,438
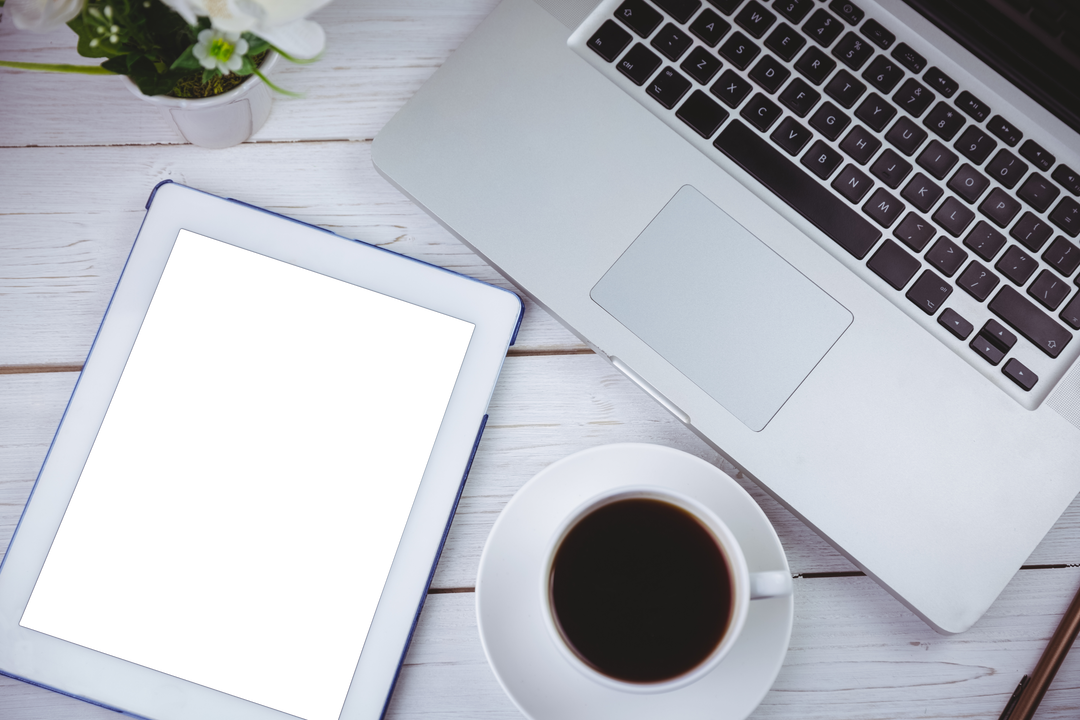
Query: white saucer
522,653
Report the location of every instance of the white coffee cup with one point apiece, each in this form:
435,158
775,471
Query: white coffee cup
732,589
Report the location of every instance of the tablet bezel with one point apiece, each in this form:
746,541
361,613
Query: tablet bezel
122,685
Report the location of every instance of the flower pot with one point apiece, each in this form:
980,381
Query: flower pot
222,120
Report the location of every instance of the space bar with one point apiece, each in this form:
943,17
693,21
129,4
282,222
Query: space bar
797,188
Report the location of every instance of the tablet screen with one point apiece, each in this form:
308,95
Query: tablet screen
237,517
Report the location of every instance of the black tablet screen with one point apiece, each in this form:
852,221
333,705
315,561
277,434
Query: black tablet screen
238,514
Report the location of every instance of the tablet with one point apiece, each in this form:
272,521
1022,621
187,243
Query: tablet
242,508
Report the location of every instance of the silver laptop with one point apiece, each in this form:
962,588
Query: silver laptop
824,235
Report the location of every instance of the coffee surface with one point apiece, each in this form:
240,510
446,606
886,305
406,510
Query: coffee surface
641,591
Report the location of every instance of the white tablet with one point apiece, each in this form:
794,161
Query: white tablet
241,510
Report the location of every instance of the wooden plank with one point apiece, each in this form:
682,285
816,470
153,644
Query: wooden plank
68,217
853,656
378,54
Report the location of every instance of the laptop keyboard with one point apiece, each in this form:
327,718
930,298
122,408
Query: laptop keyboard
914,176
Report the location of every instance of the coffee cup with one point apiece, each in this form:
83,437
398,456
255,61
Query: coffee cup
645,589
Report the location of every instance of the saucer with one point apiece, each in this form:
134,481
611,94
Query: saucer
523,655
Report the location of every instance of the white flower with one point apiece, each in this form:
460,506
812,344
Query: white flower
279,22
42,15
224,51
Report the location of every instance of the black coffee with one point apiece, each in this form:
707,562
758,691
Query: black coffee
641,591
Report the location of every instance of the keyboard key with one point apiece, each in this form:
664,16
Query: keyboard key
822,28
1038,192
877,34
1071,313
975,144
914,232
828,120
973,106
941,82
848,11
929,292
681,10
802,192
1068,178
1063,256
1049,290
953,216
883,208
905,135
799,97
844,88
910,59
761,112
639,64
1019,374
822,160
921,192
1067,216
987,349
755,19
1031,232
731,88
853,51
947,256
875,112
894,264
785,41
944,121
671,41
883,73
1023,316
1038,156
609,40
852,183
955,323
700,64
1016,265
639,16
739,50
726,6
1000,207
793,10
969,183
791,136
1004,130
668,87
860,144
710,27
998,334
913,98
702,114
1006,168
937,159
769,73
985,241
978,281
815,65
890,168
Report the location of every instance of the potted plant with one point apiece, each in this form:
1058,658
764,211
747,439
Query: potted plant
203,62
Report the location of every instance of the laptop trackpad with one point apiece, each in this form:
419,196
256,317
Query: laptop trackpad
729,313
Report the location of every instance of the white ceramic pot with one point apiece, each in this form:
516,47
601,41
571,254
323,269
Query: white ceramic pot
220,121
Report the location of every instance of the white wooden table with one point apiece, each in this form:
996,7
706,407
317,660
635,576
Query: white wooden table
78,158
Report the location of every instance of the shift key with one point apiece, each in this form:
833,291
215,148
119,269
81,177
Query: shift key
1030,321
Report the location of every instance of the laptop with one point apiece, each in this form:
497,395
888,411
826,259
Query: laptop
837,240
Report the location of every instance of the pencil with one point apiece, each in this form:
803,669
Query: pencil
1032,693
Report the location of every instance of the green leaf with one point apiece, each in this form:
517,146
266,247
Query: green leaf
86,34
256,44
209,75
118,65
187,61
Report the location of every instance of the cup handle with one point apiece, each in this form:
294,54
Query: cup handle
774,583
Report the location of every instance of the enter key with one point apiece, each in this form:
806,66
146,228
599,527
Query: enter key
1030,321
